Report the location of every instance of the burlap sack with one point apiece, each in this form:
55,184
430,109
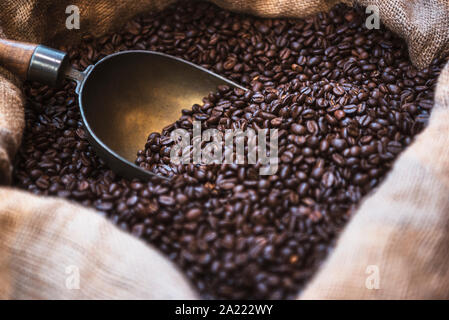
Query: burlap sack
50,249
29,264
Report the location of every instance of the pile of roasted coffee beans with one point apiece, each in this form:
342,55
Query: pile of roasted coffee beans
346,101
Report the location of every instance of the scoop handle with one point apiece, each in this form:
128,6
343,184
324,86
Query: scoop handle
33,62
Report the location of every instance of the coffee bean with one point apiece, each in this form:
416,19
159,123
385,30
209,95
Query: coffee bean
361,179
350,109
298,129
104,206
339,144
193,214
166,201
338,91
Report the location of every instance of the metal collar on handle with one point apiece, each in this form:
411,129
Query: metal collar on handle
47,65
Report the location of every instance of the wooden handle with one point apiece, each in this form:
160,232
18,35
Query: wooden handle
16,56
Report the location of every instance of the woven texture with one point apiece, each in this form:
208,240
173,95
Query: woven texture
12,123
277,8
404,236
55,250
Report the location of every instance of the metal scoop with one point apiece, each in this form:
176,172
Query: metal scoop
122,98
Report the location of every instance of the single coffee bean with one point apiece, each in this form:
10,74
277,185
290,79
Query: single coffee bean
193,214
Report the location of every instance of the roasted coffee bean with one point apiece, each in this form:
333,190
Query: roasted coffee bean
298,129
338,91
350,109
345,99
193,214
